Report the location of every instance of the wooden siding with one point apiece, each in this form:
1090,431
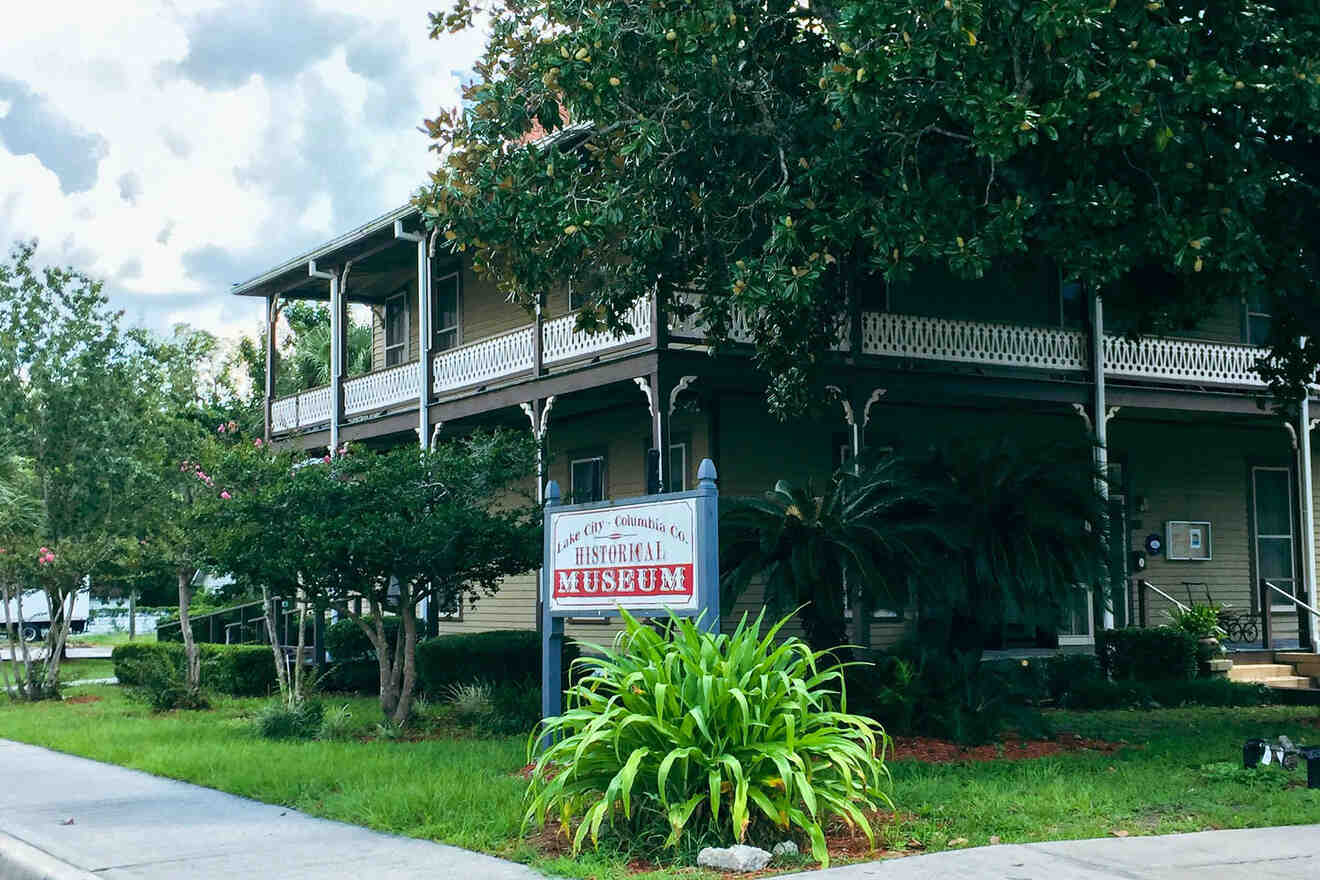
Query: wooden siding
1198,473
1182,470
1224,324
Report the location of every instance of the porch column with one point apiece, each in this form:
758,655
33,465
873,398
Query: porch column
538,413
1308,516
538,338
272,322
657,401
1098,412
425,252
857,414
336,356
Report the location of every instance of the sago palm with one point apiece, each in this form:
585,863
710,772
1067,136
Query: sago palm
873,527
1030,533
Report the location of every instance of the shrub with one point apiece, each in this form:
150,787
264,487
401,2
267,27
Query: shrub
160,680
515,709
237,670
471,702
503,656
277,721
1101,694
682,729
345,640
1136,654
337,723
351,677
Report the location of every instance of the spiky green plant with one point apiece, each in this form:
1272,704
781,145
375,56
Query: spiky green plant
739,733
873,525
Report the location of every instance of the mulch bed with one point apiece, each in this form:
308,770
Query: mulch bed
938,751
83,698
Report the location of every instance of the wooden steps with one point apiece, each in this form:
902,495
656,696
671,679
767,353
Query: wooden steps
1291,670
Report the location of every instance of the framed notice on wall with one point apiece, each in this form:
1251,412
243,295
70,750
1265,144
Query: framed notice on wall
1187,540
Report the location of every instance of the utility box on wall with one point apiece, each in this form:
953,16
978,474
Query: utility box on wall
1188,540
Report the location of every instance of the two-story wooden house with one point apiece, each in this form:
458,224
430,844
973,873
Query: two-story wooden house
1212,488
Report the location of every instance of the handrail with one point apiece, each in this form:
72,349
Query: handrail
1291,598
1147,584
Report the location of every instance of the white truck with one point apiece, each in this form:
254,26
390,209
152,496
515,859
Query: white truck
36,614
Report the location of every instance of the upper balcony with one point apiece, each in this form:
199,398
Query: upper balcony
477,341
510,357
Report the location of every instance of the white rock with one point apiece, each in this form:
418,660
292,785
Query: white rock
734,858
787,848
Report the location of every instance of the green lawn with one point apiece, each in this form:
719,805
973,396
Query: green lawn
1179,773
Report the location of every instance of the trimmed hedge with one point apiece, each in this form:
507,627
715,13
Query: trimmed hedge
1100,694
345,640
237,670
503,656
1137,654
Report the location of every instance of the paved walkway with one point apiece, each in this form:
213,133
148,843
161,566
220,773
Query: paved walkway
128,824
37,651
1250,854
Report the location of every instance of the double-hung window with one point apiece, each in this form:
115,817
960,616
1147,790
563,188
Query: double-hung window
445,297
1258,319
1273,521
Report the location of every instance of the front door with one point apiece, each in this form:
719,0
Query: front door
1120,543
1275,542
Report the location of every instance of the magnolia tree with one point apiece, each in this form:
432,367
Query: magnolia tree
390,530
789,158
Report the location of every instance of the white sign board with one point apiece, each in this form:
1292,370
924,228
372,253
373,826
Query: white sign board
632,556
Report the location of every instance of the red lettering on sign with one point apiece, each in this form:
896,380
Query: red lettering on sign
646,580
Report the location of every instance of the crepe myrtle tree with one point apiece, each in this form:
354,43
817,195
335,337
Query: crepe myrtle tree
59,570
791,158
391,529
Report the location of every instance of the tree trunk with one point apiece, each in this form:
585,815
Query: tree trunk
408,642
132,614
281,673
194,671
56,640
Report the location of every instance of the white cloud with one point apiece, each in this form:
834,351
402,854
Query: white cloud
215,139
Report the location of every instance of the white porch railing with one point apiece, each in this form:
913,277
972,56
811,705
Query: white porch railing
505,355
883,333
561,342
381,389
1012,345
1182,360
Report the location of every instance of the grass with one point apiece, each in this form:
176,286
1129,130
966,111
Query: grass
111,639
78,668
1180,773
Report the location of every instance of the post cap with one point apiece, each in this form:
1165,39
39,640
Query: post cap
706,471
552,495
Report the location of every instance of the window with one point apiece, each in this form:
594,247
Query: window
396,329
578,296
1258,319
445,312
1272,497
678,467
1073,307
587,479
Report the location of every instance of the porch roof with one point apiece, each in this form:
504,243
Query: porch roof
290,278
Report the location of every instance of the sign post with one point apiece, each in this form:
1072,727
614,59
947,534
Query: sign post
655,555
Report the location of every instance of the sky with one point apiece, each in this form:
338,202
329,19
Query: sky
174,148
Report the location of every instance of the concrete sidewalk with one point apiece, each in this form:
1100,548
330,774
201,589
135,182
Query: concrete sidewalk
128,824
1285,853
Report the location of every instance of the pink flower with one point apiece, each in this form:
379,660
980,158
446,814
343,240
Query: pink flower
226,495
326,459
220,429
257,443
